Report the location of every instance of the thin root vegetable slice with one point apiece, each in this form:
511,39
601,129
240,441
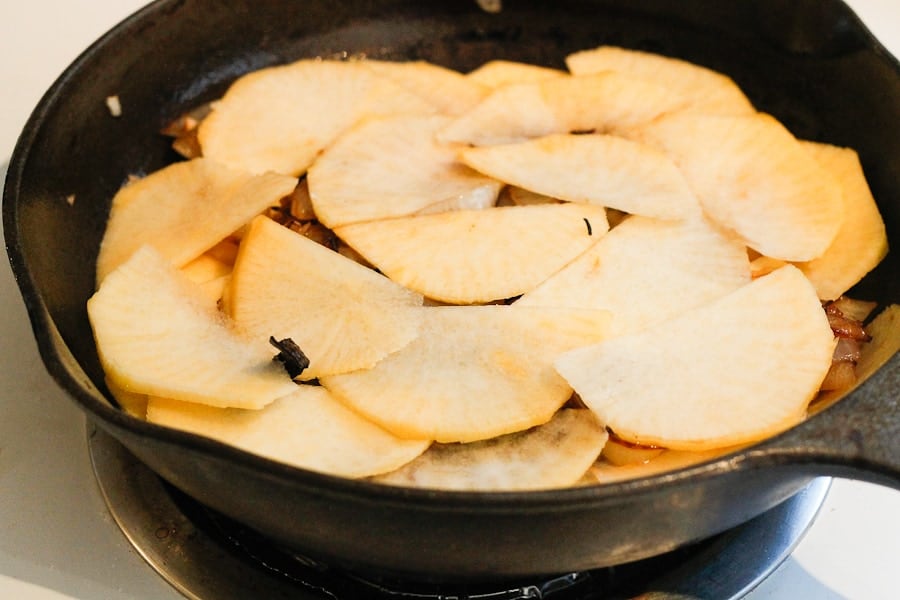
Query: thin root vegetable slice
449,91
474,372
598,169
342,315
497,73
645,271
307,429
280,118
733,371
602,103
753,177
556,454
861,242
473,256
398,170
157,335
707,90
185,209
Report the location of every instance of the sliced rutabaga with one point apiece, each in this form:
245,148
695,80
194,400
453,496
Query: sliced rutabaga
399,169
342,315
307,428
598,169
184,209
474,372
753,177
735,370
602,103
645,271
280,118
706,90
556,454
477,256
449,91
157,334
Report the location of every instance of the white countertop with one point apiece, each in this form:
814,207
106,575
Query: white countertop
56,538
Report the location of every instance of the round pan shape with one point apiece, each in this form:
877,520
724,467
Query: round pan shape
810,63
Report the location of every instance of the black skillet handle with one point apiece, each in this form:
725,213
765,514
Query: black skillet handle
858,437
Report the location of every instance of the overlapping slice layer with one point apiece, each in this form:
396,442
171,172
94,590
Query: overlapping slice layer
733,371
307,429
280,118
497,73
398,170
707,91
861,241
555,454
449,91
342,315
602,103
474,372
156,334
184,209
473,256
600,169
753,177
645,271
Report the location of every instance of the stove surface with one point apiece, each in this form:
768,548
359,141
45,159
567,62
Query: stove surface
58,539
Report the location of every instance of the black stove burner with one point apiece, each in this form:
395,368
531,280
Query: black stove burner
207,556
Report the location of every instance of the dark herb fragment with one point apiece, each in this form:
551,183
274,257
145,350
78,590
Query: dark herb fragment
290,355
588,223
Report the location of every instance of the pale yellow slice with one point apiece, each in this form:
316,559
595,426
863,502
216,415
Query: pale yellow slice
342,315
861,242
599,169
184,209
306,429
449,91
645,271
602,103
393,167
157,335
753,177
556,454
473,256
707,90
473,373
280,118
734,371
497,73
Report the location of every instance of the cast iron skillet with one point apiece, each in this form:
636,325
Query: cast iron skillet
810,63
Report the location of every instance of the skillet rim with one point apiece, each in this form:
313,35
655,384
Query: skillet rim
65,369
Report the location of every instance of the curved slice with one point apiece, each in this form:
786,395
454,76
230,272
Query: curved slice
280,118
555,454
184,209
601,103
736,370
473,256
753,177
157,334
474,372
396,169
599,169
707,91
449,91
645,271
307,429
861,241
342,315
497,73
